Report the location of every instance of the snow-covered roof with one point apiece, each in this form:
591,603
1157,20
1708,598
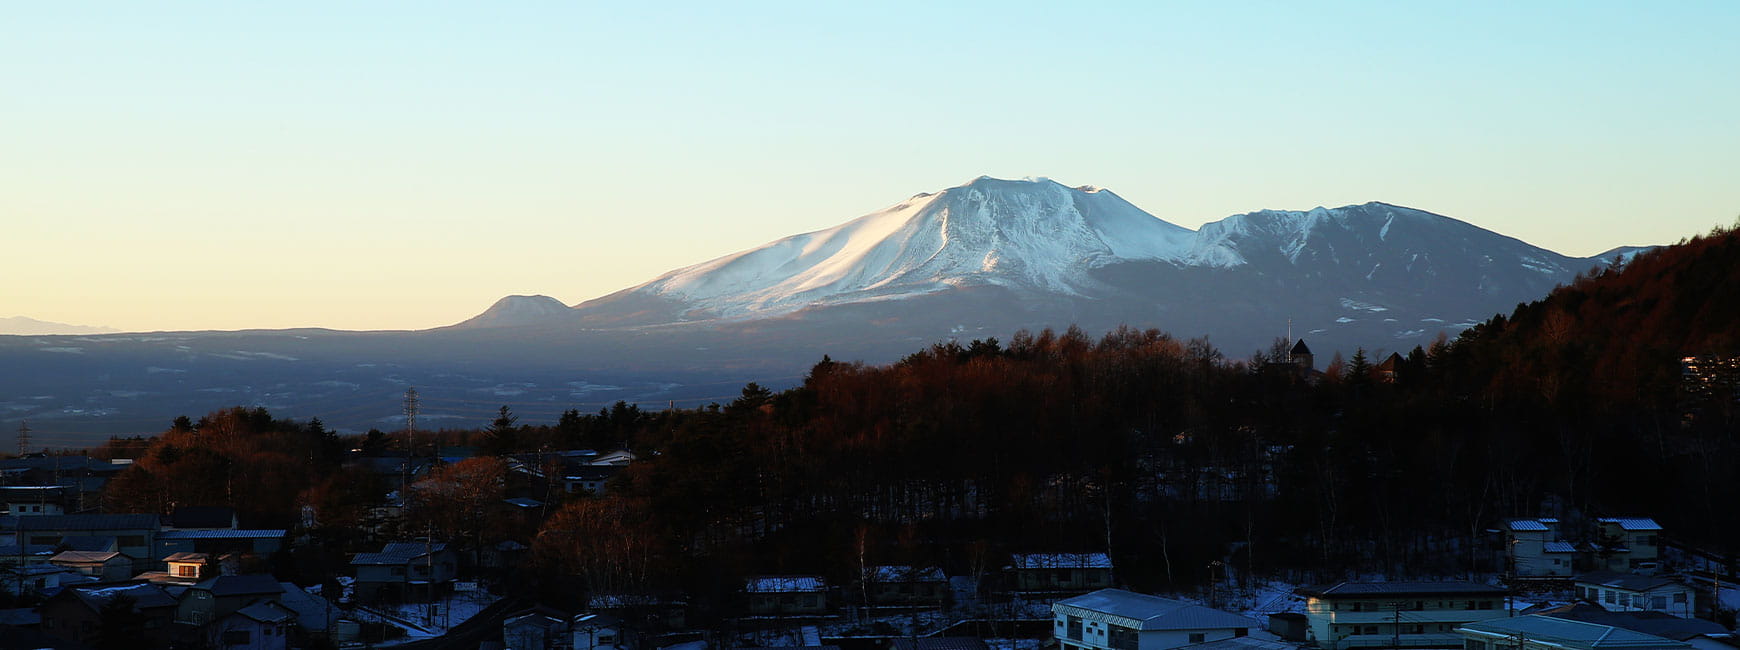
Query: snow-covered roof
1062,561
1632,523
906,573
267,612
1144,612
1627,581
83,557
784,584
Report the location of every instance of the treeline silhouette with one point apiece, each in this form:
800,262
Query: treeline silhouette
1160,451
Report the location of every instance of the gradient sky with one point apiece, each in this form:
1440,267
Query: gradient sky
384,165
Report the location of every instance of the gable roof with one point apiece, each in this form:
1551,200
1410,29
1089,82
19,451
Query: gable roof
1575,634
1627,581
144,594
398,553
1660,624
1062,561
83,557
1144,612
266,611
1301,348
784,584
1632,523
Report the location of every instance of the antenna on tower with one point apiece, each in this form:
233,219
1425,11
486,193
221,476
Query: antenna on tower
23,437
410,439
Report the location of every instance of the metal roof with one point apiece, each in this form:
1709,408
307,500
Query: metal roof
784,584
1559,547
1527,524
1627,581
906,573
1351,589
1144,612
1632,523
1062,561
221,534
1569,633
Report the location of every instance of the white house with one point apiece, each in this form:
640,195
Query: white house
1397,614
1114,619
1537,548
1630,592
1629,544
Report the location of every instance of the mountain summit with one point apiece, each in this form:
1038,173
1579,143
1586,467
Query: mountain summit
991,256
1029,235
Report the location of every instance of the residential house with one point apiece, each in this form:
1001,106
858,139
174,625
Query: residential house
1114,619
264,625
588,479
1059,573
1629,544
1397,614
786,595
315,616
543,628
189,567
1537,548
135,535
1537,632
26,500
594,631
212,599
904,584
1630,592
540,628
1660,624
104,566
405,571
75,613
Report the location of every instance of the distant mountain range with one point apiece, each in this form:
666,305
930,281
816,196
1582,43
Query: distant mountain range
984,259
26,326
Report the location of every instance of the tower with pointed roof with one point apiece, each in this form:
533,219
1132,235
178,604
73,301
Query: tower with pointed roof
1302,356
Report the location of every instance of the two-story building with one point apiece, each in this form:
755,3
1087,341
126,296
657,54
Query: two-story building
1114,619
1538,548
1629,544
405,571
1631,592
1535,632
1059,573
213,599
1397,614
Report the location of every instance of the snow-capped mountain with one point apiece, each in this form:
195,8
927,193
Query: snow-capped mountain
1033,235
518,310
993,254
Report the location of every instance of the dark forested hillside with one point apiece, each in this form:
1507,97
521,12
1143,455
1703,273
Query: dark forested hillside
1157,450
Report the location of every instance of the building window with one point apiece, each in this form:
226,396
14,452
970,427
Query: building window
187,571
1074,628
1198,637
1611,596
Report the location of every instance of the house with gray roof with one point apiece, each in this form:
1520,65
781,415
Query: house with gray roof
1114,619
1631,592
1538,548
1396,614
1537,632
1629,544
405,571
1059,573
786,595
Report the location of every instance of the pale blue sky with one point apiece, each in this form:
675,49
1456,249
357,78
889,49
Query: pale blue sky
402,165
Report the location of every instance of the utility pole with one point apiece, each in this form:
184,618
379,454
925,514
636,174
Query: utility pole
1396,635
410,426
23,437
